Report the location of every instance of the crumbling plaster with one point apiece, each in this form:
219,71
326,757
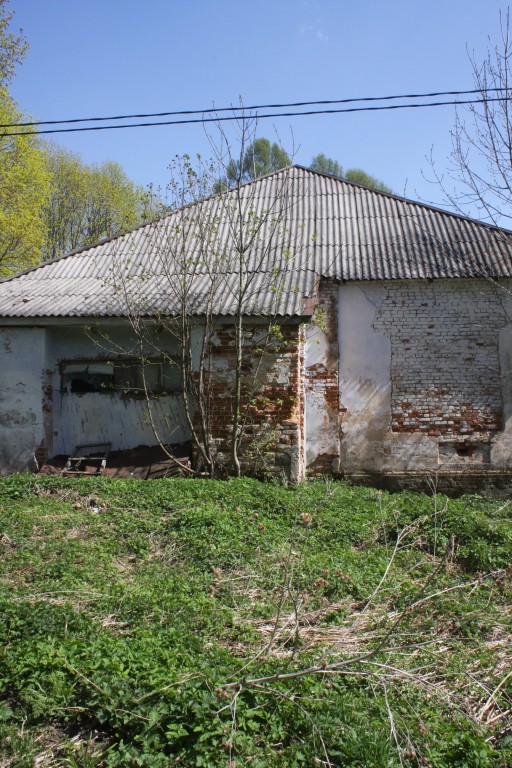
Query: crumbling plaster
91,418
38,420
322,411
22,362
501,449
365,378
424,376
389,377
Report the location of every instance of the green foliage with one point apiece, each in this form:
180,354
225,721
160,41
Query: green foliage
136,619
89,202
327,165
24,178
50,201
358,176
260,158
13,47
474,532
24,188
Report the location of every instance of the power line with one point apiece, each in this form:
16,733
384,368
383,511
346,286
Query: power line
254,115
215,110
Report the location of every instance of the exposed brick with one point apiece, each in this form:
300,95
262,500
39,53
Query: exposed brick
272,398
322,378
446,381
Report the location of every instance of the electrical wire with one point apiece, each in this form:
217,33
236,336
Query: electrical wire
252,108
243,115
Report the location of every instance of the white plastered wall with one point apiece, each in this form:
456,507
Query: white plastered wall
501,451
322,438
365,386
97,417
35,415
444,345
22,365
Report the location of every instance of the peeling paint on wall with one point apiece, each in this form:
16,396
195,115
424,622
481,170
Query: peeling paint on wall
365,385
22,356
323,413
421,366
393,377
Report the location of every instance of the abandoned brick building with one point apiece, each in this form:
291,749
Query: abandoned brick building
390,350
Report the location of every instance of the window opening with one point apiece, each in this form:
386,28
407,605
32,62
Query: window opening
127,377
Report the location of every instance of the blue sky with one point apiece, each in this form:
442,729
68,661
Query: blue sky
102,57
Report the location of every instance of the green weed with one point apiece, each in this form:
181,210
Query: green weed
209,623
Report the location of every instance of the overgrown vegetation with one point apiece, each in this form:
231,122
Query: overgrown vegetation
206,623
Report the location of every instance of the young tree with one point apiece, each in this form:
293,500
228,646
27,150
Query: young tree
481,156
222,267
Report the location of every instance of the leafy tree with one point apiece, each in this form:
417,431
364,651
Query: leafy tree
260,157
113,201
24,187
358,176
324,164
50,201
12,46
327,165
88,202
24,177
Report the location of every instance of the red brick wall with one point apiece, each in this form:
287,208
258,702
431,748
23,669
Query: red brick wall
272,399
445,369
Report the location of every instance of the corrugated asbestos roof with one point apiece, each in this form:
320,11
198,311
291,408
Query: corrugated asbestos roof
297,225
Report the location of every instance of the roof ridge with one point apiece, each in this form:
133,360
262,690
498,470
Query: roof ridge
83,250
105,240
403,199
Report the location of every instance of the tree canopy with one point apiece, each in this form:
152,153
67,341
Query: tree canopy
88,202
24,188
327,165
12,46
24,176
260,157
50,200
358,176
324,164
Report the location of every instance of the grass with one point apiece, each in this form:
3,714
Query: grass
205,623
